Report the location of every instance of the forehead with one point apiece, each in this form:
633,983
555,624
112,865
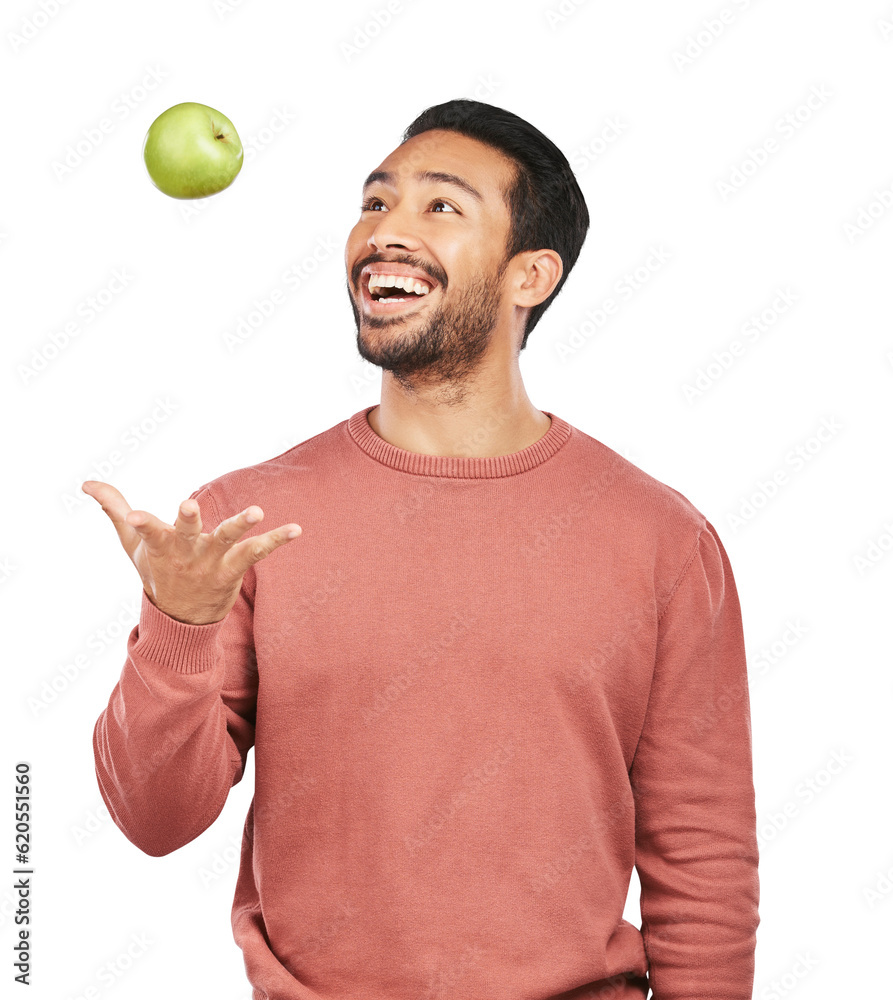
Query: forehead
440,155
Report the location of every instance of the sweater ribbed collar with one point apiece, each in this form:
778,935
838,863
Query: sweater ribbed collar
457,467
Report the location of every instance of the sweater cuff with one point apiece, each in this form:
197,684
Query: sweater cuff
188,649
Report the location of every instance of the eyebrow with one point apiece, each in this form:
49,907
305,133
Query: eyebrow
426,177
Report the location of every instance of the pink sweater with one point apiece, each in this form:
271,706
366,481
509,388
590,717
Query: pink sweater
479,690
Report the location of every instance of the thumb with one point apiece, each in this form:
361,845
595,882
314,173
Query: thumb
117,509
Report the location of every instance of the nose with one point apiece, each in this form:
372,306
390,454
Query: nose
392,231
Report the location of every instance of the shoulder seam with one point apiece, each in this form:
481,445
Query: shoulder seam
207,488
685,567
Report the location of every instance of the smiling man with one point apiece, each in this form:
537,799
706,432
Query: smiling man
448,343
502,666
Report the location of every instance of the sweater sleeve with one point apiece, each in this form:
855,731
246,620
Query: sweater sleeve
692,780
176,732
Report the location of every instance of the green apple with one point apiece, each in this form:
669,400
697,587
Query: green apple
192,151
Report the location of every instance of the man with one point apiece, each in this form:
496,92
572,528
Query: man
502,666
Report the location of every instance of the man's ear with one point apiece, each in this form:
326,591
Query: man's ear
538,274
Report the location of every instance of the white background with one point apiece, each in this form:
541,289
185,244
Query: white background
683,172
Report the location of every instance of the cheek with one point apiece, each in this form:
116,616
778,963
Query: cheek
352,250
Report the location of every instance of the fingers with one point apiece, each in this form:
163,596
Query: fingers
133,525
189,520
252,550
108,498
150,528
115,506
232,529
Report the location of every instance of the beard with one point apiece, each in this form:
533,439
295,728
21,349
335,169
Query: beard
441,349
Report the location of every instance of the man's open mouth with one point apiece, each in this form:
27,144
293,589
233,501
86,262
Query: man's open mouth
384,292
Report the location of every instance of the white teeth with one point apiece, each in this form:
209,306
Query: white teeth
401,281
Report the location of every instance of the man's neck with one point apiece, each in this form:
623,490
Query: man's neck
477,431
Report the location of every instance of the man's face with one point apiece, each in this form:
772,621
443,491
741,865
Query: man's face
445,235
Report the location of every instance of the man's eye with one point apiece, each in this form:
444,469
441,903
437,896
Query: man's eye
368,206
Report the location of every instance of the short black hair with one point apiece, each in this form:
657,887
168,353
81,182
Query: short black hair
547,207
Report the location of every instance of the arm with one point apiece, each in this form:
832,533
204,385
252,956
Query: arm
696,845
180,720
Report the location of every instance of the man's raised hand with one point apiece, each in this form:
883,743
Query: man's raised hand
193,577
